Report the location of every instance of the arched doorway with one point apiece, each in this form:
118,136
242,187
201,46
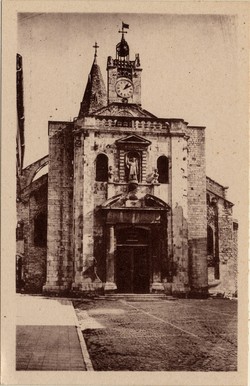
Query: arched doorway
132,260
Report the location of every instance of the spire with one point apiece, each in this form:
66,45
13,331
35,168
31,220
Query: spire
95,95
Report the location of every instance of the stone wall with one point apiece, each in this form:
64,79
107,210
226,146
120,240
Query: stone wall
178,203
226,238
215,187
33,203
60,207
226,250
197,213
78,197
235,255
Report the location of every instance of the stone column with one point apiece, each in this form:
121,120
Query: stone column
157,285
110,260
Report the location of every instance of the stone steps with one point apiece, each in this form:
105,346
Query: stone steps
137,297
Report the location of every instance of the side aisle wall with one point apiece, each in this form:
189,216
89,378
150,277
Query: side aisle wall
31,242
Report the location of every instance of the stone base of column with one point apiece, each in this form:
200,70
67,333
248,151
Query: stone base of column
110,287
87,287
157,288
180,290
55,288
199,293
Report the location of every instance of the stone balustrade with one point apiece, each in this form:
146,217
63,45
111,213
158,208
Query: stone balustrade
131,123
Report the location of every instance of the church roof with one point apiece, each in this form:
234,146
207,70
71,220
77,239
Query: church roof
95,95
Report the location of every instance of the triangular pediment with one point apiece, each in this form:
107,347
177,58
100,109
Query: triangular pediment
124,110
133,140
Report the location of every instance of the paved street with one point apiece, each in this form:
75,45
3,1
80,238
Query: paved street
48,348
182,335
179,335
46,335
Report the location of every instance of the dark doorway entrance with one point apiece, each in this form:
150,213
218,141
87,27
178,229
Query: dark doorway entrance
132,269
132,260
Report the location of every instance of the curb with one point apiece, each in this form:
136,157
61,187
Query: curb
85,354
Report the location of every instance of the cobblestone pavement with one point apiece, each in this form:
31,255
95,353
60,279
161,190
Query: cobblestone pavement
182,335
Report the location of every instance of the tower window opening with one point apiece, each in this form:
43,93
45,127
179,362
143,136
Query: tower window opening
162,166
102,168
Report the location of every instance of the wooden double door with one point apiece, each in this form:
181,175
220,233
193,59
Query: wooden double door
132,269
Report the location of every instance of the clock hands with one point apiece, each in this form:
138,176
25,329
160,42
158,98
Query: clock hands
127,86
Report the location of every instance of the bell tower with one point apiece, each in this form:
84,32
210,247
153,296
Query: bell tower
124,75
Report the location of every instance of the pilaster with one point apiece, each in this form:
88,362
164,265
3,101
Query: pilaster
110,260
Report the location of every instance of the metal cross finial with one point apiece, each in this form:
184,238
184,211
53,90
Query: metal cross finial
124,25
122,31
95,47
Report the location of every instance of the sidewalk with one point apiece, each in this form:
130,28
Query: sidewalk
48,336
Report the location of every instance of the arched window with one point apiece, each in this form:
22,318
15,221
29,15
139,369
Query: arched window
101,167
40,230
162,166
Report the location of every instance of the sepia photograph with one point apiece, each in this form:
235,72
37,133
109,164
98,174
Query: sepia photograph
131,166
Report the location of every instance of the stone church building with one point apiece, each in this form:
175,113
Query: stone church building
126,205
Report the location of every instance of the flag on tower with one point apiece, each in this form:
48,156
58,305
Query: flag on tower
125,25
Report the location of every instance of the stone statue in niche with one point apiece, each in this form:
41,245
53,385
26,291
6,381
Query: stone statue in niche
152,178
137,60
132,166
155,177
110,174
110,61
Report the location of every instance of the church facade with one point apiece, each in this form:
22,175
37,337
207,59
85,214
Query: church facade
126,206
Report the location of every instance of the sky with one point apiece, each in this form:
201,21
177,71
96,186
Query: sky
190,70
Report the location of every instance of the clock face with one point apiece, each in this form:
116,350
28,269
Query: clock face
124,88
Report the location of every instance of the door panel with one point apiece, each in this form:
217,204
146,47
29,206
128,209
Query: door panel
132,269
124,269
141,270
